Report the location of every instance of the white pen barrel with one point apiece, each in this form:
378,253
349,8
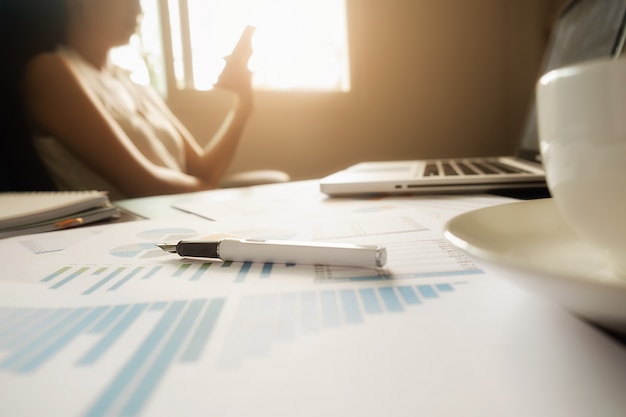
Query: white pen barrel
308,253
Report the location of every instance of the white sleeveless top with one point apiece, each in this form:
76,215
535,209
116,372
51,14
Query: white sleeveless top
138,111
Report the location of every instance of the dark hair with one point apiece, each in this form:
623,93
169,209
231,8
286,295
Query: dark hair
27,28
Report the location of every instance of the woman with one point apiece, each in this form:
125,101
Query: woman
94,128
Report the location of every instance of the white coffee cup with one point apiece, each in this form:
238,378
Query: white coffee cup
581,112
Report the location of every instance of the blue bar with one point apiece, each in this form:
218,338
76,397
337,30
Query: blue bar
34,330
103,405
62,341
204,330
442,274
181,270
69,278
152,272
427,291
308,312
370,301
444,287
108,319
287,313
266,272
100,270
10,317
158,306
104,280
408,295
56,274
6,314
198,274
112,335
330,309
243,272
22,355
390,299
124,280
351,308
240,330
163,360
264,328
19,322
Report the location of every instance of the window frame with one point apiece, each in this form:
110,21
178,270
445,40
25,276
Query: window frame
177,93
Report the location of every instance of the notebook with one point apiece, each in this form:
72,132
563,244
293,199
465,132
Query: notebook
584,30
35,212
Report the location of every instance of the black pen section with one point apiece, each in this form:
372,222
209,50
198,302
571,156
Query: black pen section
198,249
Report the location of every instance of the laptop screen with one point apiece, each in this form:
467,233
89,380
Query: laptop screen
585,30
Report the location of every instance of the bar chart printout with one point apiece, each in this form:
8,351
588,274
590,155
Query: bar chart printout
142,344
436,258
179,332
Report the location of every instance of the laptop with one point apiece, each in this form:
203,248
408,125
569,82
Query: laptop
584,30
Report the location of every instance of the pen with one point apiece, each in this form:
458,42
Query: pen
276,251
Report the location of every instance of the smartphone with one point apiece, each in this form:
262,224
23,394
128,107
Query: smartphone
243,49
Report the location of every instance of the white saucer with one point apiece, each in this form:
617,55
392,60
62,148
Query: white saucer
544,255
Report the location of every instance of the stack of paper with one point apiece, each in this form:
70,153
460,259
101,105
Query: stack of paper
34,212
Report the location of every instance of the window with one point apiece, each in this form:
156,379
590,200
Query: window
298,45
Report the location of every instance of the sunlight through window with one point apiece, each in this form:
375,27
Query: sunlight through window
143,56
298,45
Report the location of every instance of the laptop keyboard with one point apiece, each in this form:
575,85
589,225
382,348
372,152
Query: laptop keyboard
470,167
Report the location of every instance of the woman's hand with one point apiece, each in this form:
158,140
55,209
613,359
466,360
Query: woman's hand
237,78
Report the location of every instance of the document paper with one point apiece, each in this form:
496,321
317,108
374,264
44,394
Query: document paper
113,326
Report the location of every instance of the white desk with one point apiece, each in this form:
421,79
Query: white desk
106,326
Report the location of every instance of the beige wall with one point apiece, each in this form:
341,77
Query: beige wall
430,78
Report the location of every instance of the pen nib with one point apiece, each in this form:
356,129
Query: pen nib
167,247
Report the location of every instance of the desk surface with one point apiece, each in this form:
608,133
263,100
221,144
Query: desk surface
131,331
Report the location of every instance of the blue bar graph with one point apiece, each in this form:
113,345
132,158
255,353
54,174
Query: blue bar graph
89,279
203,332
112,335
310,312
127,278
61,341
105,280
31,330
180,332
20,323
68,279
19,359
128,373
105,322
165,357
55,274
